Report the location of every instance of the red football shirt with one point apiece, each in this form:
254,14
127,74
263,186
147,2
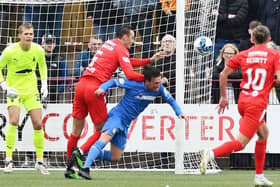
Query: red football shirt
109,57
258,66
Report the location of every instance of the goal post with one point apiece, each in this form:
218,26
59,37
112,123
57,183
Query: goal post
180,84
193,74
179,151
155,137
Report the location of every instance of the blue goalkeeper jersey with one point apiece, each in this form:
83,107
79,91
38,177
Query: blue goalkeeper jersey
137,97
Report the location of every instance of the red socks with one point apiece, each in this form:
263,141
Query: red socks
235,145
72,143
227,148
260,149
90,141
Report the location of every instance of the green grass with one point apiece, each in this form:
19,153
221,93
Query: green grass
228,178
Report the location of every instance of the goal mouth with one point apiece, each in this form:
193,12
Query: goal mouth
130,161
74,23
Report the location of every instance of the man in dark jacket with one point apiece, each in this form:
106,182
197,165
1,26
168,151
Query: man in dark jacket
57,68
85,56
231,22
269,12
107,18
139,15
218,68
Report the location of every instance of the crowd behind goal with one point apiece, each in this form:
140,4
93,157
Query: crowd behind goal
73,25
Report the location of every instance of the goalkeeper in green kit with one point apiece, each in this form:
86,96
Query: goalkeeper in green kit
20,86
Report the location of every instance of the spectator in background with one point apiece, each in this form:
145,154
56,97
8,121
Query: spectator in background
269,15
139,14
167,30
277,87
106,18
167,23
228,51
232,17
85,56
253,10
57,68
168,64
4,21
46,17
247,43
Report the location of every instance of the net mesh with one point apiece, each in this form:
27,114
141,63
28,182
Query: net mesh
199,22
130,160
71,26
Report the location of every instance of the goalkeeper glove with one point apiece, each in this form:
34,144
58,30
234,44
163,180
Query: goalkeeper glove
10,92
44,89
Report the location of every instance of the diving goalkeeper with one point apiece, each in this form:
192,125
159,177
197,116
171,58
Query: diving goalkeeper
20,86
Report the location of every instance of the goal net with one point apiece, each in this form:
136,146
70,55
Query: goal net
75,30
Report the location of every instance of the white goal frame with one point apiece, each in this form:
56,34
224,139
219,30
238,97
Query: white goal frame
181,155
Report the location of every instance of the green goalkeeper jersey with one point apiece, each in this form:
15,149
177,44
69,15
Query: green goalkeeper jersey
21,66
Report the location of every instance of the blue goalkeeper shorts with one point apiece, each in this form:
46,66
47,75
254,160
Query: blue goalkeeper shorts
117,128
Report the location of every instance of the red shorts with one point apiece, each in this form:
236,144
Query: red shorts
252,118
86,101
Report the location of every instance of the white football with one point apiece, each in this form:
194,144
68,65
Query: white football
203,45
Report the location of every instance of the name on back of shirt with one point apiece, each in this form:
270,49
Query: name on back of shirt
257,57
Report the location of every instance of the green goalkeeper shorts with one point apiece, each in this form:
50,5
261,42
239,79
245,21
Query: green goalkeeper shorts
30,102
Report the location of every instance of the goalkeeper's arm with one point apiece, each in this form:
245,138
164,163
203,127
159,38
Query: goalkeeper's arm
43,75
43,66
10,92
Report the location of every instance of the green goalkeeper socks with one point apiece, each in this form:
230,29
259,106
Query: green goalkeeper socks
10,140
38,139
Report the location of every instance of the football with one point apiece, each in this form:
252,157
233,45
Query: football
203,45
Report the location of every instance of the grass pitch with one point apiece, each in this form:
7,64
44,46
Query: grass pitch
228,178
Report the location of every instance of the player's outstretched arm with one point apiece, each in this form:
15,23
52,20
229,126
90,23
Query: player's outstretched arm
105,86
109,84
171,101
127,67
223,83
157,56
136,62
182,116
129,72
121,83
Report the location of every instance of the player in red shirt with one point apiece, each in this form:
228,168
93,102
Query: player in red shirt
113,54
259,66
